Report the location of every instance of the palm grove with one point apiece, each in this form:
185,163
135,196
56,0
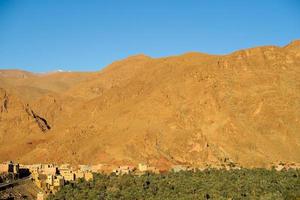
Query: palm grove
208,184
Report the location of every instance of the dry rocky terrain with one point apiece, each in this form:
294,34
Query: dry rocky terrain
191,109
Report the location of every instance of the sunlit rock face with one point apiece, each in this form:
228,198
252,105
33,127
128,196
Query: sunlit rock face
194,109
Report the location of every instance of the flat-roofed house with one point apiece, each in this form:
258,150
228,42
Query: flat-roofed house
58,181
79,174
48,169
153,170
4,167
67,174
64,166
16,168
178,168
88,176
145,168
142,167
50,179
85,168
33,168
124,170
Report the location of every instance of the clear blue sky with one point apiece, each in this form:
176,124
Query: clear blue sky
86,35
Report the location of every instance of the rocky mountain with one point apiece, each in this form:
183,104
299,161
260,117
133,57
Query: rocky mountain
194,109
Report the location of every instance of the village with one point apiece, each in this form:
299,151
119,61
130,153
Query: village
49,178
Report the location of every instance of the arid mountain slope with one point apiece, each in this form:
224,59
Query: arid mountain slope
30,86
191,109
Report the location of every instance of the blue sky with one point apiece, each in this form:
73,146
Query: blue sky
87,35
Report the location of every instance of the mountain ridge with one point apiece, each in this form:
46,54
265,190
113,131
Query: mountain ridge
194,109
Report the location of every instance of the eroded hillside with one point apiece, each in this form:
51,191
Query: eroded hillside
191,109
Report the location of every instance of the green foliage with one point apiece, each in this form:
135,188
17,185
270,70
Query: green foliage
208,184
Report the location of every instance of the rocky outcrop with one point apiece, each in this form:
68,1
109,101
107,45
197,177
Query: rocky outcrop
4,103
18,110
42,122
